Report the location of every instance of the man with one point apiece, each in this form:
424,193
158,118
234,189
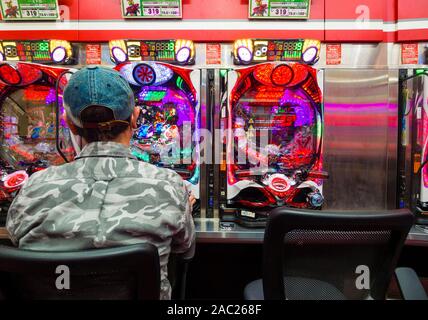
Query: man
106,197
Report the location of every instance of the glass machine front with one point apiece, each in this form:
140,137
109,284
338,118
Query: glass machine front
166,93
275,128
28,125
413,147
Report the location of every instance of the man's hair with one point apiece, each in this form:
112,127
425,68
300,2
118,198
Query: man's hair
98,114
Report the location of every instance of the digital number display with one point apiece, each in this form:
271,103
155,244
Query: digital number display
251,51
152,51
179,51
33,51
285,50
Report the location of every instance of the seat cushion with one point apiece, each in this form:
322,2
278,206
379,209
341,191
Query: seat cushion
297,288
254,290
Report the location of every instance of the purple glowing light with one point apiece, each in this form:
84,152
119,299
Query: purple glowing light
59,54
244,54
183,55
302,107
310,54
51,97
119,55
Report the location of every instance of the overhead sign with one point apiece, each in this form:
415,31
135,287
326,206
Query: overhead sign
152,9
29,9
279,9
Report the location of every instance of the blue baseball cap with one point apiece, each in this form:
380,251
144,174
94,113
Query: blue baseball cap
98,86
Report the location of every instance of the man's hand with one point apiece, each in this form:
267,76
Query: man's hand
192,200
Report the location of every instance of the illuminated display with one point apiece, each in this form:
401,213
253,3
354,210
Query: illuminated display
168,107
170,51
154,95
279,104
249,51
45,51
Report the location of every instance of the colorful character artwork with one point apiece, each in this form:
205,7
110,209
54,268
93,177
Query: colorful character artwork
169,117
11,9
28,124
133,9
275,145
260,8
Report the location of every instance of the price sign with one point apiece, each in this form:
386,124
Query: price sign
29,9
279,9
93,54
213,53
152,9
334,54
409,53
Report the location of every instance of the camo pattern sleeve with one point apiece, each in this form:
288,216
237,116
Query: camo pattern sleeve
105,198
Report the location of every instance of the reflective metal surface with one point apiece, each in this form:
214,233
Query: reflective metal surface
360,139
214,231
356,55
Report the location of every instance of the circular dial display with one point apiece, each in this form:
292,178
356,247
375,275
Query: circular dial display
144,74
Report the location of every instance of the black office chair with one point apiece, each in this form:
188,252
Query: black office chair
178,265
322,255
119,273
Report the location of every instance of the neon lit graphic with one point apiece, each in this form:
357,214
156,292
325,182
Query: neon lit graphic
180,52
144,74
43,51
183,54
59,54
281,105
167,100
252,51
15,180
119,55
28,123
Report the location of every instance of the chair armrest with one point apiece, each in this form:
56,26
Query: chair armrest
409,284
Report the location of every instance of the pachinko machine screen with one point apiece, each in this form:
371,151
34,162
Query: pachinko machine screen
28,125
274,146
169,117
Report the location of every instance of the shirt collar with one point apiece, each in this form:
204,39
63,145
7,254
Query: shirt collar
105,149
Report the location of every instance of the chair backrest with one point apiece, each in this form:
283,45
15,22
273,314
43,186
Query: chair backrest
119,273
306,247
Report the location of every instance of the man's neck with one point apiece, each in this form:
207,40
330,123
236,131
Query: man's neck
122,140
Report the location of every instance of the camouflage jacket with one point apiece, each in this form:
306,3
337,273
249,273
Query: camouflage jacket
105,198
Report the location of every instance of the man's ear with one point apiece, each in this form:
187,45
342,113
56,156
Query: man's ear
134,117
72,126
